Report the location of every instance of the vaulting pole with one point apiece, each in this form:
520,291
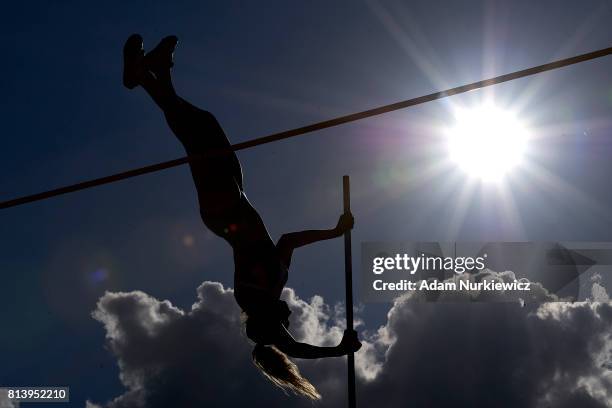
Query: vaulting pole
348,276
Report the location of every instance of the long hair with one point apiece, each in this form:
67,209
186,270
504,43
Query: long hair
276,366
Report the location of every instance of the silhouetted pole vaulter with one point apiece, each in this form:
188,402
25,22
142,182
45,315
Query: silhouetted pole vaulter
261,266
315,126
348,277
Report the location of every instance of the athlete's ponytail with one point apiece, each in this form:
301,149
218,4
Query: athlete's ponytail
277,367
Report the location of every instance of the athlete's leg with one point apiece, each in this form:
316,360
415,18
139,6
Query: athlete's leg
215,168
198,130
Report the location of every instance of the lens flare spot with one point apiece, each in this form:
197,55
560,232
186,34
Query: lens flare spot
99,275
188,240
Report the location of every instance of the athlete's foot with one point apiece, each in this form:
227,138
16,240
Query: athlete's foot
160,58
133,61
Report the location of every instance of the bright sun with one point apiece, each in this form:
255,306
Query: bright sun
487,142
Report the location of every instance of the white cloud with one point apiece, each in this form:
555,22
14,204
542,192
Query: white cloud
443,355
170,357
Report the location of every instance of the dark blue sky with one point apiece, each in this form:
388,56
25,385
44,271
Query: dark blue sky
265,67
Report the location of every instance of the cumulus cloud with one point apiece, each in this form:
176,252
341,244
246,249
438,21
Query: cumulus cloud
456,355
201,357
502,355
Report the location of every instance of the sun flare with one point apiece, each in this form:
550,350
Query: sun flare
487,142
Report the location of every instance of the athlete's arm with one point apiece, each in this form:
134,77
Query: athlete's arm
288,345
288,242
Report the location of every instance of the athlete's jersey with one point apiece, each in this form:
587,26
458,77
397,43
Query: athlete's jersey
260,276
